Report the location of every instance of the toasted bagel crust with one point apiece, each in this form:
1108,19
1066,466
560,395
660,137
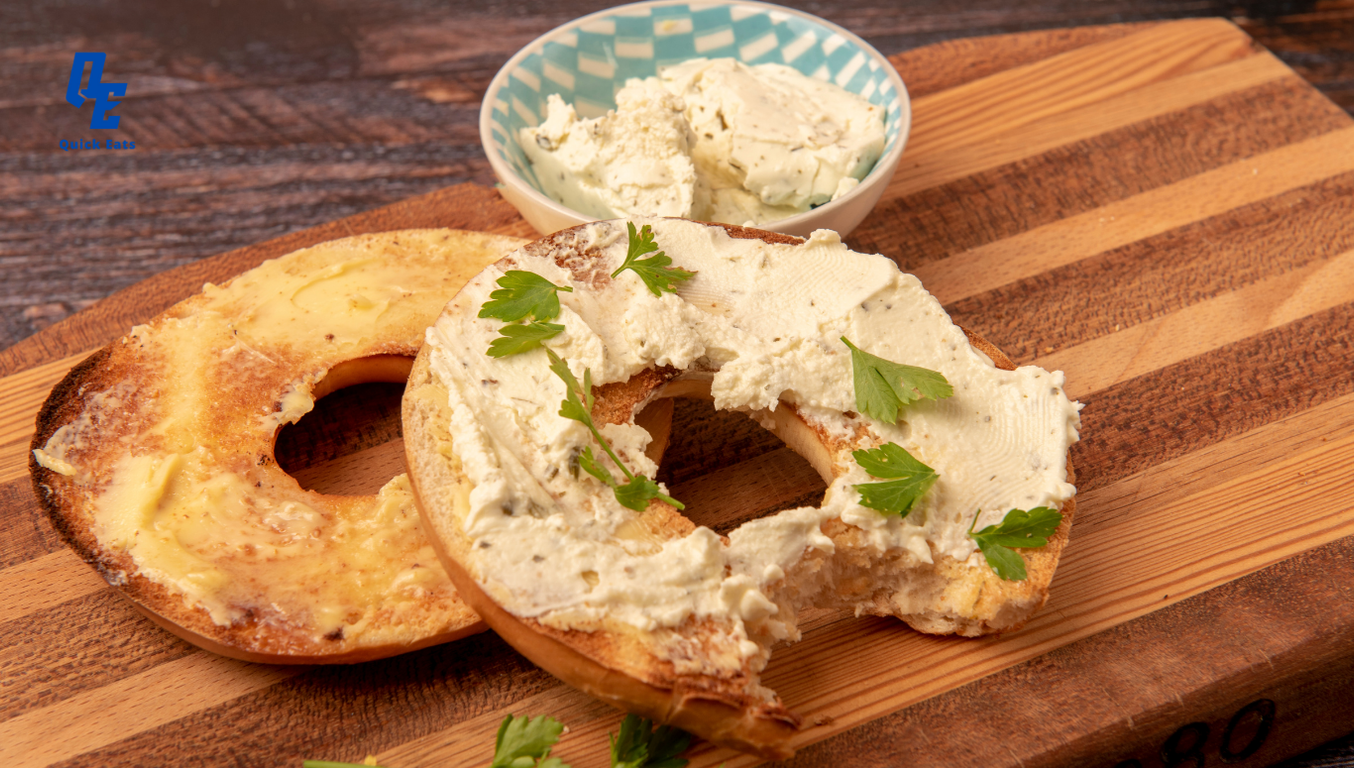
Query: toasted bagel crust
135,401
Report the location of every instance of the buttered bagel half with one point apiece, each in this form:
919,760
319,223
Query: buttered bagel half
949,493
155,459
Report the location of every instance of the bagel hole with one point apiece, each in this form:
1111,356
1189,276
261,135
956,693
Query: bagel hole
350,444
728,469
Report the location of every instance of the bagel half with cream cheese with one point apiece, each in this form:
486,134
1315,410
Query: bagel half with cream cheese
154,458
649,612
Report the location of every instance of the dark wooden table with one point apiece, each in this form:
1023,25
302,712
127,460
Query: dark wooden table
255,119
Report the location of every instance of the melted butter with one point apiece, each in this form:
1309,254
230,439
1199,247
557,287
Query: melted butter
343,298
54,463
769,318
195,498
207,534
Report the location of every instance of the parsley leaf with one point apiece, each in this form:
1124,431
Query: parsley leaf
523,293
910,479
640,746
589,464
634,494
883,387
1019,529
577,405
637,493
655,270
522,337
1007,563
525,743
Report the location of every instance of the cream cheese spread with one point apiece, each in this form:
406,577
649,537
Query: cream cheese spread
710,139
764,323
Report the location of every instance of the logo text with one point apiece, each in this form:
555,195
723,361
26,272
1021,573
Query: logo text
100,92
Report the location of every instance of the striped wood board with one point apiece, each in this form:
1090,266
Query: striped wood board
1165,212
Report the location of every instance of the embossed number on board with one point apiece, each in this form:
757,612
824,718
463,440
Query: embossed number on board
1187,745
1261,712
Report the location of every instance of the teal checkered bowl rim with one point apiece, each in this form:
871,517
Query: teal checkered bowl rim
587,60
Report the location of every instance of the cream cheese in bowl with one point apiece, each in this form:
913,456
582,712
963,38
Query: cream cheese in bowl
710,139
637,158
581,71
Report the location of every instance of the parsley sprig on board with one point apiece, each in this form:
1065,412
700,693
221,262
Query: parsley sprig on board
521,295
656,271
638,490
908,479
1018,530
883,387
525,743
640,745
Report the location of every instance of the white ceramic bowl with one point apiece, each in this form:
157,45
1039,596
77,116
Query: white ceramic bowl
587,60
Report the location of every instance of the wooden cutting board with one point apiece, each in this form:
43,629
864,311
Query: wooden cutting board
1165,212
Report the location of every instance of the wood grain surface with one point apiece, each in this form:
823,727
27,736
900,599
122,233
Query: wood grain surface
254,120
1163,211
